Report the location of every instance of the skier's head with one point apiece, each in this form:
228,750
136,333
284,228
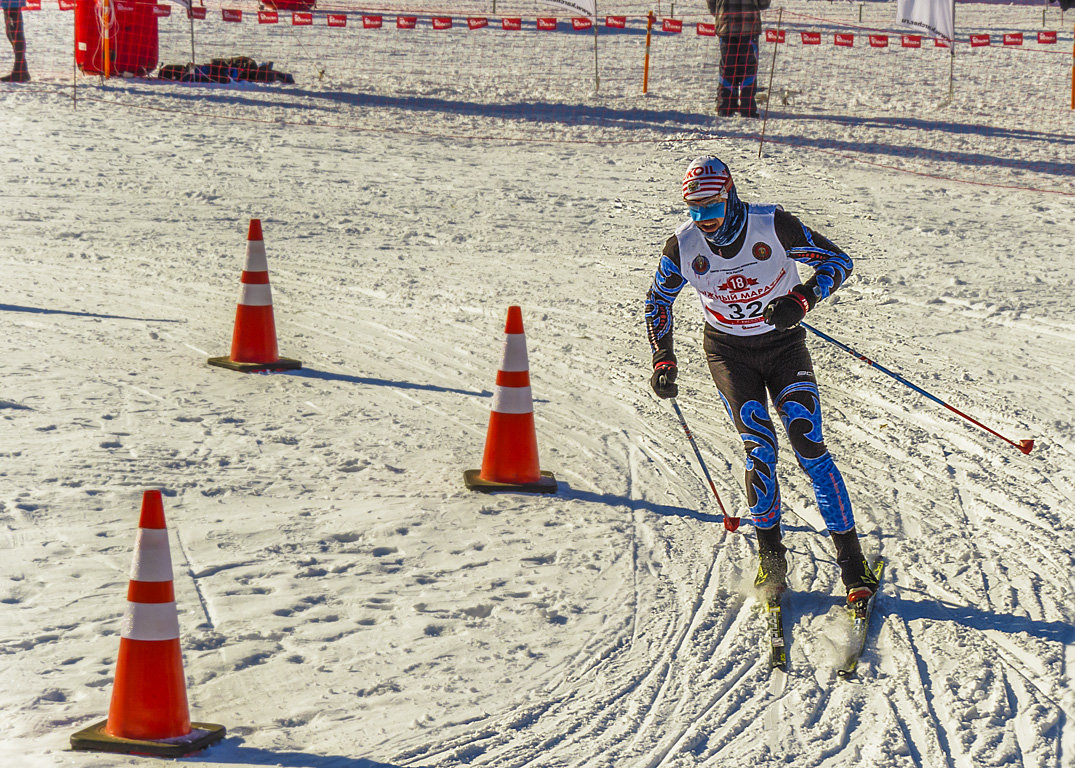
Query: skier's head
709,192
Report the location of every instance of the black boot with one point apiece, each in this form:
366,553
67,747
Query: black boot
859,580
19,74
729,102
772,575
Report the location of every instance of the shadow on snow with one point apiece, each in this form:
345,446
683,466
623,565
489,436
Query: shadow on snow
313,373
41,311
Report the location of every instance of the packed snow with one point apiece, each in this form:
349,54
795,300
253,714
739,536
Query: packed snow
345,602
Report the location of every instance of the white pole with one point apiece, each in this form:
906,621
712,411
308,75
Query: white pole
952,59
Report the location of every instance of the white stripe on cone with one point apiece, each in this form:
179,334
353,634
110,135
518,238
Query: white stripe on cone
152,560
150,621
255,256
515,353
513,400
255,295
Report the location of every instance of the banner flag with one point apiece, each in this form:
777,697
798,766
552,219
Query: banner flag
934,16
579,7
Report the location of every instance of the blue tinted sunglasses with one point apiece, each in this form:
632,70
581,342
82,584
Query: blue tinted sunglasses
705,210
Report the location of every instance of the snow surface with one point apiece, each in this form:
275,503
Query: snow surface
345,602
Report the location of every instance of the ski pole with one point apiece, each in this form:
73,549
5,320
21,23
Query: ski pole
730,523
1026,446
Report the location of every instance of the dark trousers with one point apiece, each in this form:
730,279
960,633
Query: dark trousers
738,75
776,366
17,37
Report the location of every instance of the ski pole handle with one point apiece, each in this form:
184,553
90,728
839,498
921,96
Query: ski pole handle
730,523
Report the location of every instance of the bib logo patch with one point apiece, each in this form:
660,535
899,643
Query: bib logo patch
700,265
738,283
762,251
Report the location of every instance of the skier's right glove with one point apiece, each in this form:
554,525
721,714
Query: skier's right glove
663,380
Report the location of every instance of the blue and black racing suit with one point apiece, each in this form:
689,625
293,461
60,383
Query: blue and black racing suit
752,367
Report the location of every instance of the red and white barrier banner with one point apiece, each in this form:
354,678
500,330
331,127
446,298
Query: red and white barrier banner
336,19
511,25
402,22
1047,38
376,22
121,7
615,22
442,22
844,40
32,5
162,11
67,5
196,13
776,35
579,22
231,14
706,30
977,41
675,26
879,41
268,17
477,23
939,43
1013,38
911,41
301,18
546,24
811,38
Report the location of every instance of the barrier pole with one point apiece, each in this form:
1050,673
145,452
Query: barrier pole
772,71
106,8
596,75
645,67
952,57
193,57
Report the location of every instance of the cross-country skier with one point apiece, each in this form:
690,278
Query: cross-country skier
741,259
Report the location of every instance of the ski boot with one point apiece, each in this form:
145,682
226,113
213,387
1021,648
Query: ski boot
772,578
859,579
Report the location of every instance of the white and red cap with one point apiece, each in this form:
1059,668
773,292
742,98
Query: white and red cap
705,178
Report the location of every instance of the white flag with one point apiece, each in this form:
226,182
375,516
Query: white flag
937,17
581,7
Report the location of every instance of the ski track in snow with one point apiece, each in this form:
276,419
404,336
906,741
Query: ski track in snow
344,601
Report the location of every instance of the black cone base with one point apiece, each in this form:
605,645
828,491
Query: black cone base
474,481
97,739
283,364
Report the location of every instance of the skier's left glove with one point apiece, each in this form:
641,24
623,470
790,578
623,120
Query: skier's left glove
787,311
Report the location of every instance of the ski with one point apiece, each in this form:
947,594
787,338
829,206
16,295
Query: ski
860,625
774,622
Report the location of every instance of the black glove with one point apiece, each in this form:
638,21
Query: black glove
663,380
786,311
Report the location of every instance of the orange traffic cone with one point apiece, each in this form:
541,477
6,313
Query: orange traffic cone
149,714
253,342
510,462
